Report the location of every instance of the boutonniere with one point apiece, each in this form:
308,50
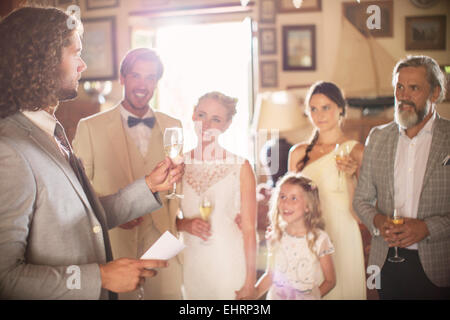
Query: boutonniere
446,161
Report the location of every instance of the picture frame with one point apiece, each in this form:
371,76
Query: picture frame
101,4
268,74
267,41
267,11
299,47
425,32
287,6
357,14
65,3
99,49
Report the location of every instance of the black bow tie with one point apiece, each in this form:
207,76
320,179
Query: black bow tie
133,121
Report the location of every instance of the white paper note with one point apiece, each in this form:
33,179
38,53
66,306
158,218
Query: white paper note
165,248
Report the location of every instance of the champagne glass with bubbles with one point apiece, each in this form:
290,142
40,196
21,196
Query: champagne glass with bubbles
173,145
341,151
396,219
206,208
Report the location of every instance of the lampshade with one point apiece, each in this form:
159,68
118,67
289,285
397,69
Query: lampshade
278,110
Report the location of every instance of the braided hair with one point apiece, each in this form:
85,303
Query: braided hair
332,92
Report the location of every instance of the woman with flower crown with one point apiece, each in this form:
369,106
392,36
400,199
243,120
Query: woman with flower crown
332,161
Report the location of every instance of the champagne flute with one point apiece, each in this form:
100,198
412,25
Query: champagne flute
396,219
340,153
173,144
140,295
206,208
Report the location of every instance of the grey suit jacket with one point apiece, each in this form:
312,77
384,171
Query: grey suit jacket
375,194
49,223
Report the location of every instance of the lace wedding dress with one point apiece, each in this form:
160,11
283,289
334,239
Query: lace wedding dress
215,269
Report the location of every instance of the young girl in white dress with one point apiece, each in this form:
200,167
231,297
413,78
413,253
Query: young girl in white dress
300,264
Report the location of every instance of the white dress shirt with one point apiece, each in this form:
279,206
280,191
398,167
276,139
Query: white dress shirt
140,133
410,165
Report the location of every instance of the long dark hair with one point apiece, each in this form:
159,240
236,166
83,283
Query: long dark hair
31,44
332,92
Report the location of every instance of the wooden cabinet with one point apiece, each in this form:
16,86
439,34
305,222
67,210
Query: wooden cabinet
359,129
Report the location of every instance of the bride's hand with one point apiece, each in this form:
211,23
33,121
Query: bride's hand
195,226
348,165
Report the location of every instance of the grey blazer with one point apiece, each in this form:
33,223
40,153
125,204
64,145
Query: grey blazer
375,194
49,223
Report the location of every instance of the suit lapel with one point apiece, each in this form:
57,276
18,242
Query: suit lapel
118,142
45,142
437,152
391,152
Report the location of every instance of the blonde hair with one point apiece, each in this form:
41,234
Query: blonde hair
313,215
228,102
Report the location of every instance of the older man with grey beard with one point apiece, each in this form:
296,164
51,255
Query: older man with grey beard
404,168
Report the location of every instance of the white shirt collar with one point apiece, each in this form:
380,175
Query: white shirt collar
44,120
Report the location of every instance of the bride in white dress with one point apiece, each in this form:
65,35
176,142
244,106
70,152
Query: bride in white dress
219,261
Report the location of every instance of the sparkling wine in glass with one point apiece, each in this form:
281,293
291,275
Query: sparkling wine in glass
173,145
206,209
397,220
340,153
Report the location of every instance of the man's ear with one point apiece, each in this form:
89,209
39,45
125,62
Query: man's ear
435,94
121,80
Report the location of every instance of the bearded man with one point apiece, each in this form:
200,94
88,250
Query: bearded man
405,167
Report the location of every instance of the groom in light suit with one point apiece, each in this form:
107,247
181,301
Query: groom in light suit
117,147
405,167
54,242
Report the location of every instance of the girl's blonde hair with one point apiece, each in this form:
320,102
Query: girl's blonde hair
313,215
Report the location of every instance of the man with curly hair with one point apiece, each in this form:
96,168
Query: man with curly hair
53,228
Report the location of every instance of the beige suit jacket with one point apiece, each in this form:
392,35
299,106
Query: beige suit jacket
112,160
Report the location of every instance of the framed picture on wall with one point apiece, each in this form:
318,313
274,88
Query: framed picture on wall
99,49
357,14
101,4
287,6
425,32
65,3
299,47
267,41
267,11
268,71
